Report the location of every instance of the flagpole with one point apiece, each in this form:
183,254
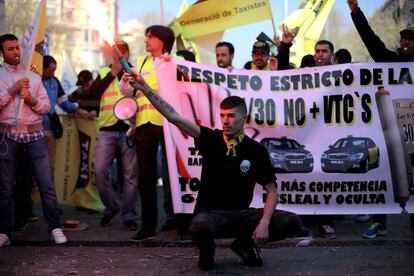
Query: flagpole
162,12
273,21
28,53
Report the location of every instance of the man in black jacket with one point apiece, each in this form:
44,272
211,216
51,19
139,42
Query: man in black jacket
380,53
374,44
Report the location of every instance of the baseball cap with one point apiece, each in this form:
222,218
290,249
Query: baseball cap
122,43
409,30
83,77
261,46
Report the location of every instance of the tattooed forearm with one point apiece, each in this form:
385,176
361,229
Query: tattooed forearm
151,94
170,108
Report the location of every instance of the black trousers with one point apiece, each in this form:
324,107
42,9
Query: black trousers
148,137
208,225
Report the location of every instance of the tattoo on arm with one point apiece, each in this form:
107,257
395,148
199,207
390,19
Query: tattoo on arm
162,102
170,108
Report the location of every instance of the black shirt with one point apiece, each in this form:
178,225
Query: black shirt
228,182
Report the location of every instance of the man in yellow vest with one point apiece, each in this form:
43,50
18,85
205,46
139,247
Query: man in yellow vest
112,139
149,134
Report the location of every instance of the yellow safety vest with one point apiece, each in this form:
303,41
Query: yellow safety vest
108,99
146,111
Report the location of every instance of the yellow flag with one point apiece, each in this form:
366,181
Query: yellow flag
182,42
203,47
212,16
33,41
310,16
321,16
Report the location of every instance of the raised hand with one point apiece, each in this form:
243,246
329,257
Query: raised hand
288,36
116,67
353,5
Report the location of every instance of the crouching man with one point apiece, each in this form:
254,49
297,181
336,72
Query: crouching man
232,164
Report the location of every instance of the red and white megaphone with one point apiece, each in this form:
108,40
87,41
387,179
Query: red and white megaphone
125,108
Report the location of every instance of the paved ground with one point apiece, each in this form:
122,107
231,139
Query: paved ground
106,251
348,260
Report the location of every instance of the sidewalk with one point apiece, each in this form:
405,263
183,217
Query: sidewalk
107,251
348,232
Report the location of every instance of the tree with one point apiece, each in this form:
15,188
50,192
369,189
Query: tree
22,11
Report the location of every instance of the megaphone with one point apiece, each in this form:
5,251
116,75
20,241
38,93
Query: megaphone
273,47
125,108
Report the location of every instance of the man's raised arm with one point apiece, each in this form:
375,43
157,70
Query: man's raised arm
161,105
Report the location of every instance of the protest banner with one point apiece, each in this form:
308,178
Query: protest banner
322,127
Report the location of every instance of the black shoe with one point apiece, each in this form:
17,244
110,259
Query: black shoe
21,224
32,217
206,259
131,225
185,237
142,235
327,232
249,254
87,210
107,219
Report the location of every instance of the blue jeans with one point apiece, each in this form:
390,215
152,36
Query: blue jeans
108,144
10,151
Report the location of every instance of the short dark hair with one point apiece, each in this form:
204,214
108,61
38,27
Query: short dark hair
234,102
187,55
326,42
165,34
307,61
226,44
343,56
6,37
84,77
47,60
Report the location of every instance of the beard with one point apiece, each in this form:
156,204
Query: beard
13,61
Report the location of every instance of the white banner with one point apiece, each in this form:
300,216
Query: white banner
322,127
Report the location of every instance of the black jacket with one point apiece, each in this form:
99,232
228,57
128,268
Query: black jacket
374,44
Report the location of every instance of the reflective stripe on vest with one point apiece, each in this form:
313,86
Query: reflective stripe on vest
108,100
145,107
147,113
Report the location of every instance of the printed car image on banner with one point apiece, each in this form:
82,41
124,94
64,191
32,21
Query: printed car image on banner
331,132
